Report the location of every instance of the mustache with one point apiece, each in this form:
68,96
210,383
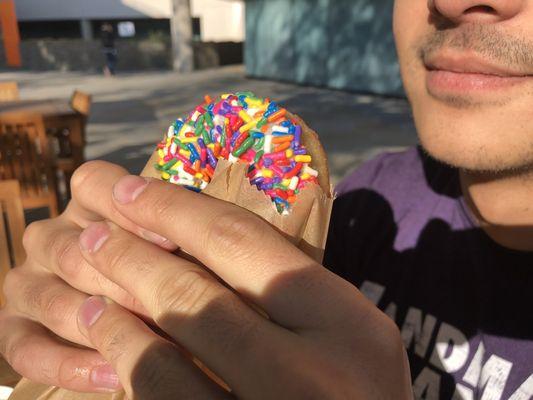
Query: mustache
486,40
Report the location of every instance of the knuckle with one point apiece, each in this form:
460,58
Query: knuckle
393,331
385,327
100,284
139,262
109,336
31,234
66,255
32,298
158,205
115,256
23,291
232,234
383,333
58,249
65,374
84,174
182,294
56,308
390,335
48,370
12,282
236,328
129,302
119,254
15,353
154,370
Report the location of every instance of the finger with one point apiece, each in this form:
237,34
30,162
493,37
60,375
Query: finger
149,367
53,244
188,303
45,298
92,186
35,354
239,247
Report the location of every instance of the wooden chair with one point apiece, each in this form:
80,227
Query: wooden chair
11,252
68,133
11,229
9,91
25,156
81,102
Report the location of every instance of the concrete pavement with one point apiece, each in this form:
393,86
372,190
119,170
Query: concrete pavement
131,112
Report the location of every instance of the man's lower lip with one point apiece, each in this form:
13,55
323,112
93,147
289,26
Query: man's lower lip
458,82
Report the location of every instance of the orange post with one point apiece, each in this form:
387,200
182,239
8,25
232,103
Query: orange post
10,32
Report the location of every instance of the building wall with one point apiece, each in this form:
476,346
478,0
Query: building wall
35,10
342,44
221,20
86,55
133,55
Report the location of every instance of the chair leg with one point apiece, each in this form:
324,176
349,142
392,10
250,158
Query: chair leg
52,205
68,177
63,188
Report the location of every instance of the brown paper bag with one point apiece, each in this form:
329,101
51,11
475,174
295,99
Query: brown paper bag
28,390
306,226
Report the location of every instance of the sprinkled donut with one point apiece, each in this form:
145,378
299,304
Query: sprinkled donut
239,127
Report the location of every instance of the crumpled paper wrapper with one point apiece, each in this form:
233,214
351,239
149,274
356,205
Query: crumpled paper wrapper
28,390
307,224
306,227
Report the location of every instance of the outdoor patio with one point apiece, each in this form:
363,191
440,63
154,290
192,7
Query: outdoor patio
131,112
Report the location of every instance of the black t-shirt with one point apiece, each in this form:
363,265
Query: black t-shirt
108,39
402,234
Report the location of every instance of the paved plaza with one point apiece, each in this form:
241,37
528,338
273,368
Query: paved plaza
131,112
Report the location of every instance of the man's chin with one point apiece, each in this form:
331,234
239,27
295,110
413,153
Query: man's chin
479,159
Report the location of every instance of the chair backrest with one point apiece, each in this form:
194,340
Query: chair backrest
11,229
81,102
24,154
9,91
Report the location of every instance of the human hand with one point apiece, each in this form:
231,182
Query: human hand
324,340
41,305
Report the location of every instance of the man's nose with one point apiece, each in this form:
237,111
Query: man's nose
479,11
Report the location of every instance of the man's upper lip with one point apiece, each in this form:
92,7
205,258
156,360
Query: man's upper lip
468,64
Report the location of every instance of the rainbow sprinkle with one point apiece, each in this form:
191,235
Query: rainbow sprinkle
238,127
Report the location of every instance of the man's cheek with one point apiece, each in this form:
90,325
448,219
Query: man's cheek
410,26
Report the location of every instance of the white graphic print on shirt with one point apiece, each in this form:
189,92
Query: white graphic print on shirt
477,374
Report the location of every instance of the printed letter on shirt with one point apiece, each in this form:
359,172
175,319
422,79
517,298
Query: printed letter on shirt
474,369
525,391
494,376
427,385
412,328
450,360
372,291
462,393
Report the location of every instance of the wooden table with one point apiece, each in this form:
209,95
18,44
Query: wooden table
47,108
56,113
64,126
8,377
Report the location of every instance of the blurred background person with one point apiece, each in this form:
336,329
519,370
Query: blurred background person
109,49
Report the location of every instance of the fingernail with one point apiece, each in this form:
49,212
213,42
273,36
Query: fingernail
91,310
128,188
153,237
94,236
104,377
